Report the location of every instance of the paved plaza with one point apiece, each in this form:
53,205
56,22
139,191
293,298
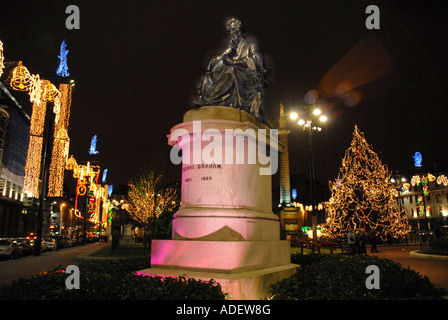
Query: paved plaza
435,269
28,266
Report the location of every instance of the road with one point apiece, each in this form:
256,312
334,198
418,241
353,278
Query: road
28,266
435,270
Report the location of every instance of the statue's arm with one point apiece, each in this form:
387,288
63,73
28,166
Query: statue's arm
257,57
234,63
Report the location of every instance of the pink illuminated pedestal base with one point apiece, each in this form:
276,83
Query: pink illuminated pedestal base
219,256
246,285
225,229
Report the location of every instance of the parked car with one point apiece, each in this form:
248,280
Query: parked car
27,247
51,244
31,236
68,242
9,248
58,240
43,246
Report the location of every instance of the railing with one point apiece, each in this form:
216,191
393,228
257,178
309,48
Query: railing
315,245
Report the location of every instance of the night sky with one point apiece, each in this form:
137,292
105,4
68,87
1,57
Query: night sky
137,63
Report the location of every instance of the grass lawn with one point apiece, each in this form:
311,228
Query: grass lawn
127,251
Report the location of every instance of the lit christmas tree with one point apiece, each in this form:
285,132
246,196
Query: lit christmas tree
147,200
362,197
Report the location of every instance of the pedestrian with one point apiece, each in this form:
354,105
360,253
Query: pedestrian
362,242
357,241
373,241
351,241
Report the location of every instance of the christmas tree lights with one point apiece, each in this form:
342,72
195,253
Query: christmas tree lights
363,197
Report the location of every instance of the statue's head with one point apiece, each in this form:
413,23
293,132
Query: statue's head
234,26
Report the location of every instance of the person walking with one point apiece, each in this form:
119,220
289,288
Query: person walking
351,241
357,241
373,247
362,242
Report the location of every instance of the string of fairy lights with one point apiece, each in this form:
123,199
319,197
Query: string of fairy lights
424,209
362,197
33,159
41,92
61,142
87,185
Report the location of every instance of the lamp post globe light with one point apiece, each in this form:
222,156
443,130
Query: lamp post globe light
398,181
310,119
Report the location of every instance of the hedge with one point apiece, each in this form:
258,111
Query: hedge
440,244
338,277
111,280
320,276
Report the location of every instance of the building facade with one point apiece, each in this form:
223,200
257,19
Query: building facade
15,220
425,201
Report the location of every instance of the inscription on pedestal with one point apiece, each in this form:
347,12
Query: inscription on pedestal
201,166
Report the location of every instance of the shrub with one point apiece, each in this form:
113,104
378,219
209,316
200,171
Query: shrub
111,280
440,244
127,265
337,277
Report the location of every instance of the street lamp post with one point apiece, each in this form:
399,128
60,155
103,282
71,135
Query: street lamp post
398,182
60,218
45,169
313,185
311,111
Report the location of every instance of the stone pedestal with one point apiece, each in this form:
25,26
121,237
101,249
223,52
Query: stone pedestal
225,229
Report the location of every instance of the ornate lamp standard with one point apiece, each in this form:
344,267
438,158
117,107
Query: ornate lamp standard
308,119
398,181
60,218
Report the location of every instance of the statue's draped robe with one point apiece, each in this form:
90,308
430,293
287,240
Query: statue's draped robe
239,85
